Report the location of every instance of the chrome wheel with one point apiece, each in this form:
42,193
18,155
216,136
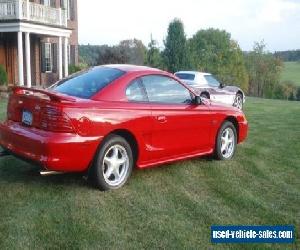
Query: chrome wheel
227,142
115,165
238,102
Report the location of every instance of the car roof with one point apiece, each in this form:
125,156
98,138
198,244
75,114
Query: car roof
130,68
194,72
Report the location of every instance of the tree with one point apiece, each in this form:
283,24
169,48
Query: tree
134,50
154,58
112,55
214,51
264,71
174,54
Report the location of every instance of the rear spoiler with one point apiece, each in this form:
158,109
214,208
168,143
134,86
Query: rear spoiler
54,96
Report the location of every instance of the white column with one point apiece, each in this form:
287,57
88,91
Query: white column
28,61
66,57
20,58
60,58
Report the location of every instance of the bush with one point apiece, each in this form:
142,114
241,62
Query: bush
3,75
75,68
278,91
298,94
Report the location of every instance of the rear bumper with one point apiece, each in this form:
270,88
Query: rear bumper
53,151
243,131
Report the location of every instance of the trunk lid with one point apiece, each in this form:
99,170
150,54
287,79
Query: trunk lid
40,109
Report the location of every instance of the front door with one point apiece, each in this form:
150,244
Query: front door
179,126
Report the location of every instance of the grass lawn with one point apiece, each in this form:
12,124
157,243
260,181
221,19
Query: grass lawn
291,72
168,207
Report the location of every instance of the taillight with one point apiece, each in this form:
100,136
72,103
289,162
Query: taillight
12,111
55,120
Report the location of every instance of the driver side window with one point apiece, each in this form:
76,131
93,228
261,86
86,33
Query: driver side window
163,89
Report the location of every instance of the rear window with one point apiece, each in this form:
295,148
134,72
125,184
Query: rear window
185,76
88,83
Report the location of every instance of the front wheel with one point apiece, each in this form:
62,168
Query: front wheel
204,95
113,164
238,101
226,141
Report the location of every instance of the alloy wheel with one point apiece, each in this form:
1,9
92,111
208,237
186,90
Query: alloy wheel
115,165
227,142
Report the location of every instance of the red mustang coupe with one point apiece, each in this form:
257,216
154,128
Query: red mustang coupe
108,119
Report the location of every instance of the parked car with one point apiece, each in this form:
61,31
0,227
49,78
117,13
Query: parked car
109,119
209,87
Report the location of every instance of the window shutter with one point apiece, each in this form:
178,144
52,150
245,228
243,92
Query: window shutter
72,10
55,57
52,3
43,65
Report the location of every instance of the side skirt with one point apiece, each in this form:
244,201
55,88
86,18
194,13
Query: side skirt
177,158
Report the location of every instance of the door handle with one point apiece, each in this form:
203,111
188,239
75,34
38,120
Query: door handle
161,118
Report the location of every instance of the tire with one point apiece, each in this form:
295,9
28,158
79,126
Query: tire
204,95
226,146
238,101
113,164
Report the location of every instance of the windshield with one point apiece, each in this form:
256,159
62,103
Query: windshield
212,81
88,83
186,76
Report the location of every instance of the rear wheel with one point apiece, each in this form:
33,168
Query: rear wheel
238,102
204,95
226,141
113,164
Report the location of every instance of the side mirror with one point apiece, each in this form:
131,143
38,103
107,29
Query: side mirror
197,100
222,85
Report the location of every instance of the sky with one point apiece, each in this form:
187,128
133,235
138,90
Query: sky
277,22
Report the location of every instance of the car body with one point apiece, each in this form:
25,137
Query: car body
64,127
209,87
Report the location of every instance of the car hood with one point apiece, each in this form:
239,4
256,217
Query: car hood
232,89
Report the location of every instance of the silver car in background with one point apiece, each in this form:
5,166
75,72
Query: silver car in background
207,86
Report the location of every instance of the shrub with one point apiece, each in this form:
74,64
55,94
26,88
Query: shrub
73,69
298,94
3,75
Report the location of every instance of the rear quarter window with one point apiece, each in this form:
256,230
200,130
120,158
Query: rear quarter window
88,83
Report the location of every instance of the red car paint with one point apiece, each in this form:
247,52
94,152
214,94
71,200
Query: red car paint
163,133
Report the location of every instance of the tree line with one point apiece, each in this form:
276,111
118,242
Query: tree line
257,72
289,55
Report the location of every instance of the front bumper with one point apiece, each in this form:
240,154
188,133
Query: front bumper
62,152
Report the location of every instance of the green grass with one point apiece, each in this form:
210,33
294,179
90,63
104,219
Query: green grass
169,207
291,72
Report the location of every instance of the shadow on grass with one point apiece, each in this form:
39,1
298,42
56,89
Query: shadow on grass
14,170
18,171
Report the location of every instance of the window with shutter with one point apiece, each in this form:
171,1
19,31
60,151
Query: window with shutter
69,5
47,62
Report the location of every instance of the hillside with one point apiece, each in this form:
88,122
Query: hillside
291,72
169,207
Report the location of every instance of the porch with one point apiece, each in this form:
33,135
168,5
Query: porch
25,54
